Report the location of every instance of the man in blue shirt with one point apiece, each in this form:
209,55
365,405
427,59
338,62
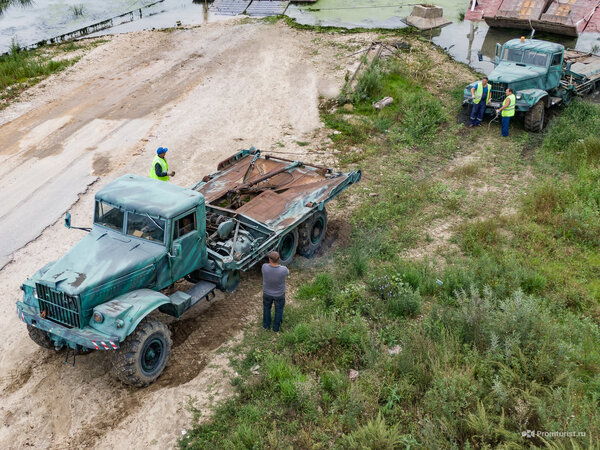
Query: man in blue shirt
481,94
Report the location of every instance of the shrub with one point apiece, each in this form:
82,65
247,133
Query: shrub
375,434
369,83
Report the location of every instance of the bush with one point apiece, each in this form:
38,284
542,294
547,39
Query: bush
369,84
376,435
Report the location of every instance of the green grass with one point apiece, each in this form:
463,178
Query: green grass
21,69
494,333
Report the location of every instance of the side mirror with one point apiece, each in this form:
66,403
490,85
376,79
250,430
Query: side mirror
497,54
176,249
68,220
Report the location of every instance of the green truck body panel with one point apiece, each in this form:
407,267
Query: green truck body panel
148,234
538,70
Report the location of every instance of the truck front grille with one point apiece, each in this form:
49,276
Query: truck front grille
499,91
59,307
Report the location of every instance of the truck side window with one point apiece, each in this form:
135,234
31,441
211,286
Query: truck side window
109,216
556,59
146,227
185,225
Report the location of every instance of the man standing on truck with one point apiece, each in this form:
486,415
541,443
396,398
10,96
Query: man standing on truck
274,276
508,110
160,168
478,92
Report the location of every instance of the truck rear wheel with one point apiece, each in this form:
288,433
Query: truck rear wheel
40,337
144,354
534,118
287,247
311,234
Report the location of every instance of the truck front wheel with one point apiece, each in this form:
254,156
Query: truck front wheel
311,234
40,337
534,118
144,354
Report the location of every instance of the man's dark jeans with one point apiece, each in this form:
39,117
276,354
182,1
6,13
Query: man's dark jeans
268,301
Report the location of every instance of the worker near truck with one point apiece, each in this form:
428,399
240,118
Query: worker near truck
508,110
274,276
160,167
479,92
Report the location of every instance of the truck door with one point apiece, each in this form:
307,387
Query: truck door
186,250
555,71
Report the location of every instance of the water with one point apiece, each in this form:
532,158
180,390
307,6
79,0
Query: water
464,41
48,18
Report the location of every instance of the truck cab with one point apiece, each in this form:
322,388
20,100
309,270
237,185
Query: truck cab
146,235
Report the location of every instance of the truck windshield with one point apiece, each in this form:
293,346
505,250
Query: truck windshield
146,227
512,54
535,58
109,216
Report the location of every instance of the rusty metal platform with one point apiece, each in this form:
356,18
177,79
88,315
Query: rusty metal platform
257,8
567,17
267,8
229,7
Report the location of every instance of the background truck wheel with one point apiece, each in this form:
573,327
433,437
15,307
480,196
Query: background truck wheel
287,247
534,118
311,234
144,354
40,337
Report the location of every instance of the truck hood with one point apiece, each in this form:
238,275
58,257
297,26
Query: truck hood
99,257
511,73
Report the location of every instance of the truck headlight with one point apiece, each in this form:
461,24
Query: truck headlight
519,96
98,317
34,293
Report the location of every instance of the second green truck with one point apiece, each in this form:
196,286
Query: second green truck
542,74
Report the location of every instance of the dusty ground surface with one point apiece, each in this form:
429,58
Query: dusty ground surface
202,92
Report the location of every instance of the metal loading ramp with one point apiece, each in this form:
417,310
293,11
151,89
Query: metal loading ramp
260,8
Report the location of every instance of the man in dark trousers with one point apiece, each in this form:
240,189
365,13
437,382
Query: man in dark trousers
274,276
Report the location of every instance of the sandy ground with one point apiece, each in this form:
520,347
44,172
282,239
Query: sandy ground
204,93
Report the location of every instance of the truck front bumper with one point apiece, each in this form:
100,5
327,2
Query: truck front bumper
62,336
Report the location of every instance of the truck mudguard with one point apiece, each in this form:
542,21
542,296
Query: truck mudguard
530,97
122,315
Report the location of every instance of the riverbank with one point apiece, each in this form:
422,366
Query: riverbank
462,307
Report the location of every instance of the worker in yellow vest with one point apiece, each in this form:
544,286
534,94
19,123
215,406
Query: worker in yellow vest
481,94
160,168
508,110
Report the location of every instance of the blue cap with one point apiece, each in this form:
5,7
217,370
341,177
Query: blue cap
161,150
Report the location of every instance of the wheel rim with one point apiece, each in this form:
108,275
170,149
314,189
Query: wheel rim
287,247
152,355
317,230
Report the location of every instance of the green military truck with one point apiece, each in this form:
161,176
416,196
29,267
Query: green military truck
542,74
148,234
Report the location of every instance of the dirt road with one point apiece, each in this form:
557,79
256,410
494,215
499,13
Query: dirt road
202,92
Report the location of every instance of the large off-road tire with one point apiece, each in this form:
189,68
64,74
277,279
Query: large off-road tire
143,356
40,337
534,118
312,233
287,247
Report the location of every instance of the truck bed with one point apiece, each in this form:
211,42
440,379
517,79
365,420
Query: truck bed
253,201
277,201
582,71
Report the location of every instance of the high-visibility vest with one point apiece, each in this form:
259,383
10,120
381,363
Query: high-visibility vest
164,166
509,111
479,93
